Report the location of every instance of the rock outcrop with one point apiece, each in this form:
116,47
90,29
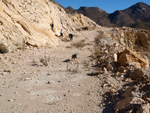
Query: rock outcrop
29,22
130,57
26,22
143,39
80,21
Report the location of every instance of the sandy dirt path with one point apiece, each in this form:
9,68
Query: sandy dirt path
27,86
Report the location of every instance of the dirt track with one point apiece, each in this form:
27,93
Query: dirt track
27,86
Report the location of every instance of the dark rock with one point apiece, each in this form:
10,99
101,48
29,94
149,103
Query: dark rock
131,57
137,74
3,48
144,109
121,69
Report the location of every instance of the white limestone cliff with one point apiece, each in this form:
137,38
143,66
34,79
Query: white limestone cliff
29,22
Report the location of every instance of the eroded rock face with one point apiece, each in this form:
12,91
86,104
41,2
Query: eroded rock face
27,21
81,21
129,56
131,37
143,39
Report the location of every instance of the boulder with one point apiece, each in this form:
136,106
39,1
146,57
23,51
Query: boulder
145,108
129,56
3,48
128,92
121,69
136,74
143,39
128,105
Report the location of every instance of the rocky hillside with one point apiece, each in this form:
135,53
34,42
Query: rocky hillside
134,16
96,14
122,61
29,22
70,10
103,70
82,22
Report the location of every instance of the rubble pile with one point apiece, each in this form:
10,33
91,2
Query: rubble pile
129,71
131,37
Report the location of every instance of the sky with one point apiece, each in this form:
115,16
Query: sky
107,5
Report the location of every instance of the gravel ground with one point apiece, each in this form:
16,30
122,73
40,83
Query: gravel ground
45,81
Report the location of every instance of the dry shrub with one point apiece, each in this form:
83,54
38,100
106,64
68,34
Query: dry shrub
44,61
80,44
101,35
78,29
21,46
98,52
74,69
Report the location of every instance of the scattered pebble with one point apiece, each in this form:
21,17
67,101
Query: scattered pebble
4,73
34,72
48,82
48,73
28,92
69,91
10,100
27,79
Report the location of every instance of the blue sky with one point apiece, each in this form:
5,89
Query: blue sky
107,5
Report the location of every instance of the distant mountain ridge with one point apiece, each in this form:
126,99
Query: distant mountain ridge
138,15
132,16
96,14
70,10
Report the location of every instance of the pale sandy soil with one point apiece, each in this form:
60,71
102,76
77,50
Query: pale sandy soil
60,87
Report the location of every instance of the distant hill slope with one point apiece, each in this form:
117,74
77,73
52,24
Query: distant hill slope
96,14
70,10
138,15
133,16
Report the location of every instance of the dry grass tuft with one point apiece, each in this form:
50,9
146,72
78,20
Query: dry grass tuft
100,36
80,44
21,46
44,61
